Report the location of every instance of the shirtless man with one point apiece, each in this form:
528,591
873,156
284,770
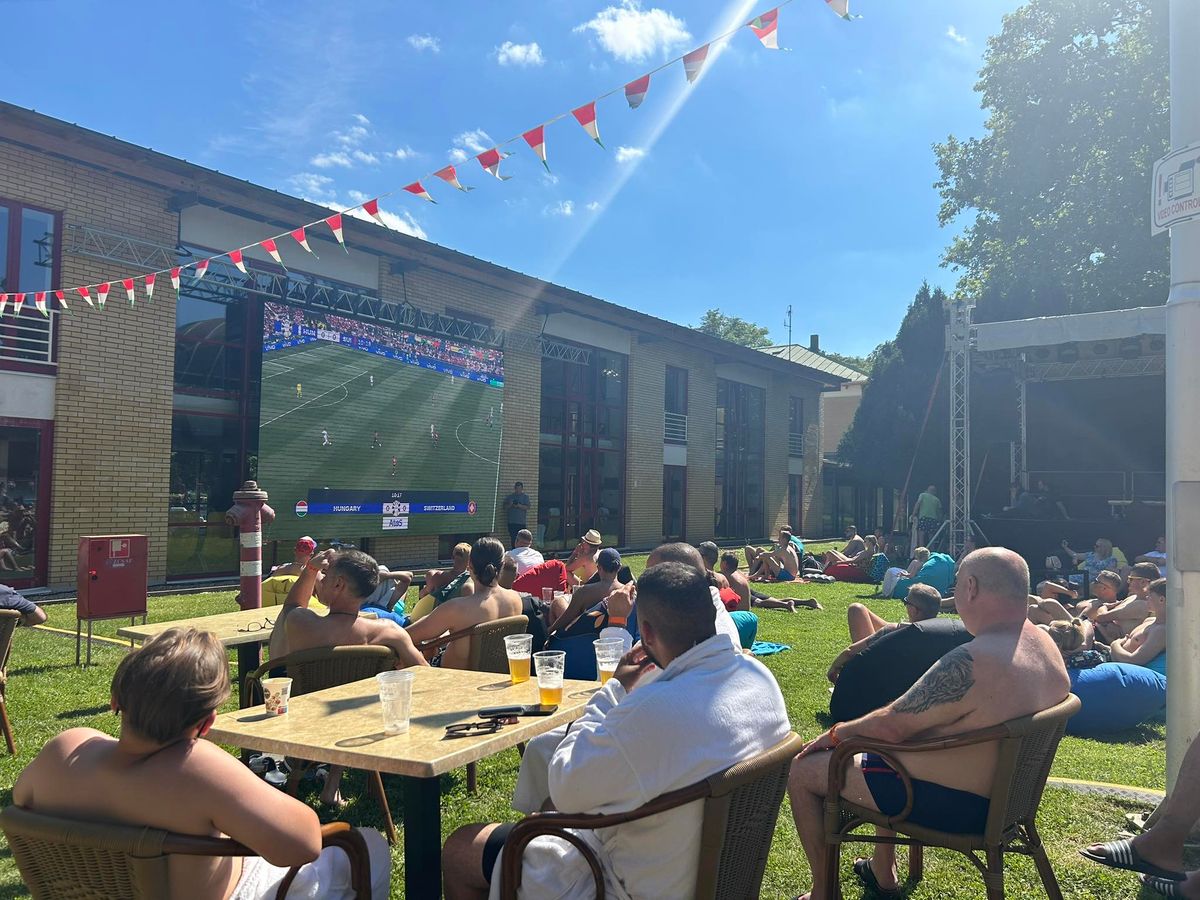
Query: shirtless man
581,564
781,564
489,601
563,614
1010,669
1147,641
740,585
854,546
1114,621
167,694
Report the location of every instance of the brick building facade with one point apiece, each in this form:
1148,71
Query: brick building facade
143,419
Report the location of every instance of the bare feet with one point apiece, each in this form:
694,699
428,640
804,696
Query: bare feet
791,606
810,603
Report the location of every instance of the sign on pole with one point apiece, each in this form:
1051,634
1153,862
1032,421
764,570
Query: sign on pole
1176,189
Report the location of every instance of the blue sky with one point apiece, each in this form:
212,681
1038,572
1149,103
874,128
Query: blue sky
803,177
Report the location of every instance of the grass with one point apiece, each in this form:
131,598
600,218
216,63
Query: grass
47,694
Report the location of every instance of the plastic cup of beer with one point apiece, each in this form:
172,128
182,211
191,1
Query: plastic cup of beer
395,698
518,648
549,665
608,654
276,693
547,595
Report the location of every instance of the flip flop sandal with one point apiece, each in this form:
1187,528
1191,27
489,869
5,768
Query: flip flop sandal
1122,855
1165,886
862,869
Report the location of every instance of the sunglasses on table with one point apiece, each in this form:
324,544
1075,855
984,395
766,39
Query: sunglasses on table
267,622
487,726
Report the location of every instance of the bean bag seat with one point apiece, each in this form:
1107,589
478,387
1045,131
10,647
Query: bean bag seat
275,590
891,665
845,571
879,564
1115,697
747,627
937,572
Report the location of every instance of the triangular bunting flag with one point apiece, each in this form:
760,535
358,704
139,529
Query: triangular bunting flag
842,8
490,160
371,208
102,294
302,239
175,279
127,283
694,62
62,301
87,298
39,300
450,176
201,268
635,91
18,302
417,190
766,29
3,303
235,256
536,139
335,225
586,116
149,287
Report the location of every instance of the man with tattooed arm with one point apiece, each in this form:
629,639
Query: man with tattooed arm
1010,669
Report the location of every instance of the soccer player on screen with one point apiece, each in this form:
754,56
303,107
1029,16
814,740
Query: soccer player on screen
325,441
375,442
299,390
372,381
393,466
433,434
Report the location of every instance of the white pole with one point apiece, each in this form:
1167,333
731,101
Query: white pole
1183,415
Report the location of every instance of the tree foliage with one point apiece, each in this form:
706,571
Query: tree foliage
731,328
882,440
1057,190
857,363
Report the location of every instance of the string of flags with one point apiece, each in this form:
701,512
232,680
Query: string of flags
765,27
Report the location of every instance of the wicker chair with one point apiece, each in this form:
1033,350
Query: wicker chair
321,668
1027,746
9,620
486,654
60,857
741,809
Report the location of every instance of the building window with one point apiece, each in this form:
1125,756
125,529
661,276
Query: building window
796,426
675,406
581,453
674,503
796,503
29,264
741,468
25,456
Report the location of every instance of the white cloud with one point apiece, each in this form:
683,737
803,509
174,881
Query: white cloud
632,34
363,157
550,178
312,186
425,42
402,221
629,154
959,39
523,55
403,153
353,136
470,143
328,160
361,119
593,206
564,208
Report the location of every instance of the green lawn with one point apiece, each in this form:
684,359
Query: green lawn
48,694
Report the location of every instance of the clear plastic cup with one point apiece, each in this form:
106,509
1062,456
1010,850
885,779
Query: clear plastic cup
547,595
519,648
395,698
549,665
276,693
608,654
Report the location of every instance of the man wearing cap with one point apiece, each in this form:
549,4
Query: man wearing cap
922,603
564,614
581,564
305,548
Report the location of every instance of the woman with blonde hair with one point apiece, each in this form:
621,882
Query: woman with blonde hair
894,574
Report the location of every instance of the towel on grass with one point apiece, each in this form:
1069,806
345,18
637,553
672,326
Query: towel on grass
766,648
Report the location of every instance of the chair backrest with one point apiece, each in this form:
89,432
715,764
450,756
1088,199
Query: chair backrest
326,667
487,652
740,815
9,620
67,858
1026,756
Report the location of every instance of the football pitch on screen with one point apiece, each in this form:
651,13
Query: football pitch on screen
324,436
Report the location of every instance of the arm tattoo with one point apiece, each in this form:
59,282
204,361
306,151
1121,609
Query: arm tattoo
948,681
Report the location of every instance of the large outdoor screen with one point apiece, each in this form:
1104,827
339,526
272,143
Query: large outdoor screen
369,430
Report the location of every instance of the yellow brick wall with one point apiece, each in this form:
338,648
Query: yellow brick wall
112,432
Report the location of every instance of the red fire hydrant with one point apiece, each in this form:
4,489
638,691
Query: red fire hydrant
249,513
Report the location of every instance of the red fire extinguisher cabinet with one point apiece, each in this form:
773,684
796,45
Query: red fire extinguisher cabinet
110,580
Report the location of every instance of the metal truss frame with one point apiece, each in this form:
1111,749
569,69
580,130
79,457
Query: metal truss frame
959,338
225,283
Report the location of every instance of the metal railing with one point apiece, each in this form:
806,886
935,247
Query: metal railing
1148,485
675,428
27,338
796,445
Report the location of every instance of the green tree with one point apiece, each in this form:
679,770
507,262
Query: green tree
1056,192
857,363
731,328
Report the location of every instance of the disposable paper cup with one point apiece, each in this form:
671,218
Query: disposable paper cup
395,699
276,693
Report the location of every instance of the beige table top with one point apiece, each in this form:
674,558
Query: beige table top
343,725
224,625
